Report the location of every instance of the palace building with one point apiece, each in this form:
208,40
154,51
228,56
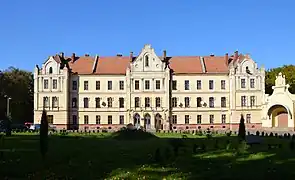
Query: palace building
159,92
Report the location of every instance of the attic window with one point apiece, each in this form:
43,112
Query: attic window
50,70
146,61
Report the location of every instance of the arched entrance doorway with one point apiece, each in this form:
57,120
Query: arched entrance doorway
147,121
136,120
279,116
158,122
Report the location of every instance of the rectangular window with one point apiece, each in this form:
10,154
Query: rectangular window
199,102
174,85
252,83
136,85
186,102
74,85
211,102
97,119
211,84
46,102
147,84
121,120
252,101
97,85
110,102
243,83
222,84
223,102
86,119
174,102
86,102
186,85
54,84
174,119
243,101
97,102
199,84
248,118
199,119
121,102
85,85
158,102
223,118
50,119
54,102
147,102
45,83
186,118
136,102
110,119
74,102
211,118
110,85
74,119
121,85
158,84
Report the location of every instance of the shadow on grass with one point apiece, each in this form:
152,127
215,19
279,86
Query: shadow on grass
95,156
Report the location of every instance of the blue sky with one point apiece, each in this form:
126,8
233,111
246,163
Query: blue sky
32,30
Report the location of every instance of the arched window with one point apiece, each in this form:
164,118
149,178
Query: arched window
50,70
146,61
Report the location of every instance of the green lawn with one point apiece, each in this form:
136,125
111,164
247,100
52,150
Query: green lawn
97,156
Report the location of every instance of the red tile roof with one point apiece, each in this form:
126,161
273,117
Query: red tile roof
215,64
112,65
186,64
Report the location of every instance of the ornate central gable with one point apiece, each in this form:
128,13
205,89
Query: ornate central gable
147,61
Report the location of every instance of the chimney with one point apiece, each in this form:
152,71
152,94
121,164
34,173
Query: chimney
236,55
119,55
86,55
226,58
62,54
73,57
164,55
131,56
212,55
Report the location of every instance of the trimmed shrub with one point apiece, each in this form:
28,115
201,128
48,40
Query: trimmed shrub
271,134
135,134
242,129
44,134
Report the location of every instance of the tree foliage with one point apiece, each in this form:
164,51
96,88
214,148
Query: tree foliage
17,84
270,77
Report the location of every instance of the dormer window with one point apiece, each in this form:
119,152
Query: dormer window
50,70
146,61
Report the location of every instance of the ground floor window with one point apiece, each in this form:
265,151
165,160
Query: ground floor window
74,119
121,119
211,119
199,119
223,118
186,117
110,119
174,119
86,119
50,119
98,119
248,118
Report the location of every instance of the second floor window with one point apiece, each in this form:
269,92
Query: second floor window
121,102
136,85
147,84
147,102
174,102
86,102
186,101
136,102
248,118
252,101
252,83
223,102
199,84
211,84
243,101
186,85
243,83
174,85
85,85
199,119
110,85
223,118
54,102
211,102
74,102
46,102
54,84
110,119
186,119
199,102
211,118
45,83
97,85
174,119
158,84
97,119
86,119
110,102
97,102
121,84
74,85
222,83
158,102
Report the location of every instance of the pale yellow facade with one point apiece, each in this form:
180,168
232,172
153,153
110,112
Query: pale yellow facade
175,101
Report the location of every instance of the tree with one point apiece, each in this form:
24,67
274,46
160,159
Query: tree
270,77
44,134
242,129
